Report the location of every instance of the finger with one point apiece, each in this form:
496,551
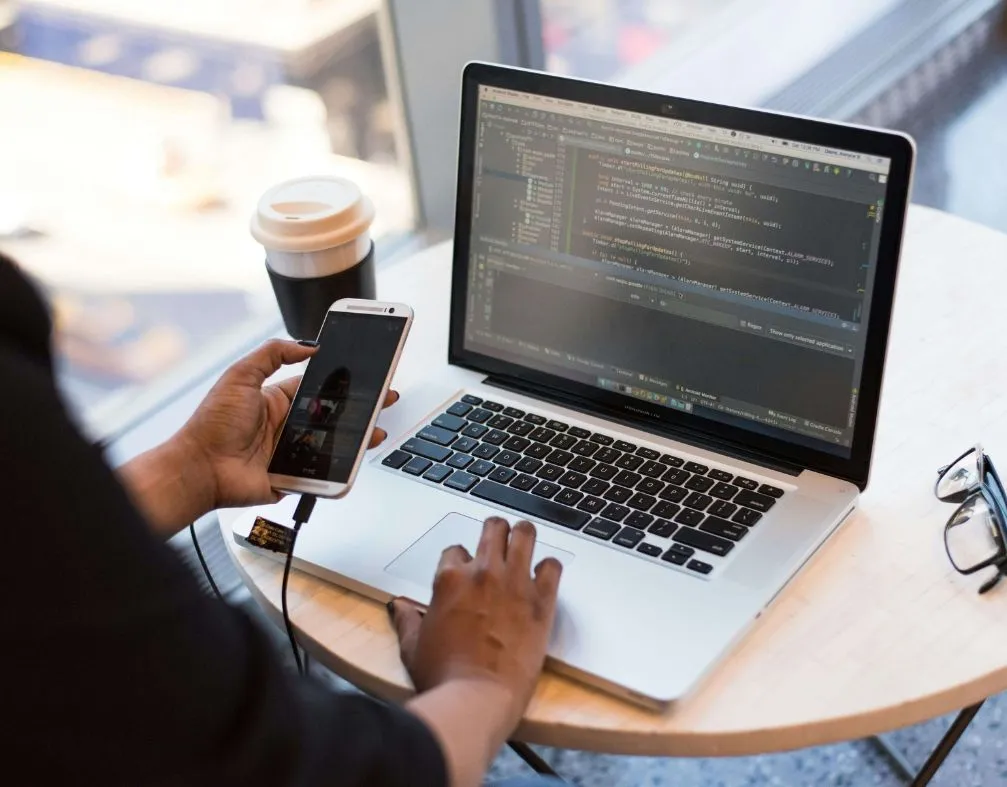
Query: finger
492,549
289,386
377,437
519,550
267,359
547,576
456,555
406,619
391,398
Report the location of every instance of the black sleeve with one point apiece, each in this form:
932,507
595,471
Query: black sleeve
117,668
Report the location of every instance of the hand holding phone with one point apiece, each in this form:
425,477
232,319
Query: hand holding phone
328,428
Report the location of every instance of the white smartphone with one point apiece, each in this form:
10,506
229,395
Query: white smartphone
328,428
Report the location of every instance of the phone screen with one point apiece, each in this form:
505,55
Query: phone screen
338,394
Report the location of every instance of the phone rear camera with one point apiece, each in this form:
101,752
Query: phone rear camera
391,311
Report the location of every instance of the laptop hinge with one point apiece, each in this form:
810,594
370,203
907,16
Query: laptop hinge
699,440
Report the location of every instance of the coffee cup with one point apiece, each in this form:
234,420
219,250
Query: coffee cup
316,235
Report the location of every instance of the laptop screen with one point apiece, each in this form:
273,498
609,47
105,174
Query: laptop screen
719,273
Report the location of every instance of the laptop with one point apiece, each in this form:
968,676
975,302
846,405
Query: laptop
668,325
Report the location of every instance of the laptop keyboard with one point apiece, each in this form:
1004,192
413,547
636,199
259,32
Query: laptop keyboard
662,507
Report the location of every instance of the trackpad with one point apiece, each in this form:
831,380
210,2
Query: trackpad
419,562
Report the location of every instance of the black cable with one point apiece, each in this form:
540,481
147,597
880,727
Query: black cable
301,515
202,562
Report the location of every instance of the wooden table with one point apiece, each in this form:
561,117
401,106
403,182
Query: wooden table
879,632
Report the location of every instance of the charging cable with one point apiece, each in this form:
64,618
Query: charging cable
301,515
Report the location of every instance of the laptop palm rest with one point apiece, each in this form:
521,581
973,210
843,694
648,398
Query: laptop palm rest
418,563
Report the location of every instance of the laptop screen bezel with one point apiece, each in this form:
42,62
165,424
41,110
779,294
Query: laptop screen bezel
651,417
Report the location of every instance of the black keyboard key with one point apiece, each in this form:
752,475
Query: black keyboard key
542,435
435,453
626,478
513,412
704,541
696,467
585,448
499,422
652,469
580,434
674,494
520,428
601,439
599,528
641,502
517,443
495,437
475,430
485,451
460,409
723,528
395,459
682,549
557,426
581,465
628,537
417,465
563,441
649,486
591,504
470,399
746,483
622,445
665,510
479,415
538,451
546,489
629,462
559,457
699,483
676,558
507,458
639,520
537,420
722,508
435,434
596,487
689,516
650,550
772,491
450,422
699,566
604,472
720,475
747,516
502,475
481,468
760,503
532,505
698,501
550,473
648,453
676,476
528,465
723,491
618,494
615,512
496,407
572,479
671,461
569,497
464,444
524,482
460,461
437,473
607,456
662,528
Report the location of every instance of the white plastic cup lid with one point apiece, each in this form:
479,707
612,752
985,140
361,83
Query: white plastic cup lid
311,214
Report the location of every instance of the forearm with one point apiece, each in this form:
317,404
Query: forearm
170,485
469,719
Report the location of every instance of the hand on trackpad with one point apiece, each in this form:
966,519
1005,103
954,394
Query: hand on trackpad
419,561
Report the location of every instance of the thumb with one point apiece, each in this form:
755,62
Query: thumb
407,619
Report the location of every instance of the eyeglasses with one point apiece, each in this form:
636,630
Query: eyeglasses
975,536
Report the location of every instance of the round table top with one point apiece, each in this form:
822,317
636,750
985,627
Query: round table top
878,632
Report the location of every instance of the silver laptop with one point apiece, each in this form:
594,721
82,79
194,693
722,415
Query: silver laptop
667,335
